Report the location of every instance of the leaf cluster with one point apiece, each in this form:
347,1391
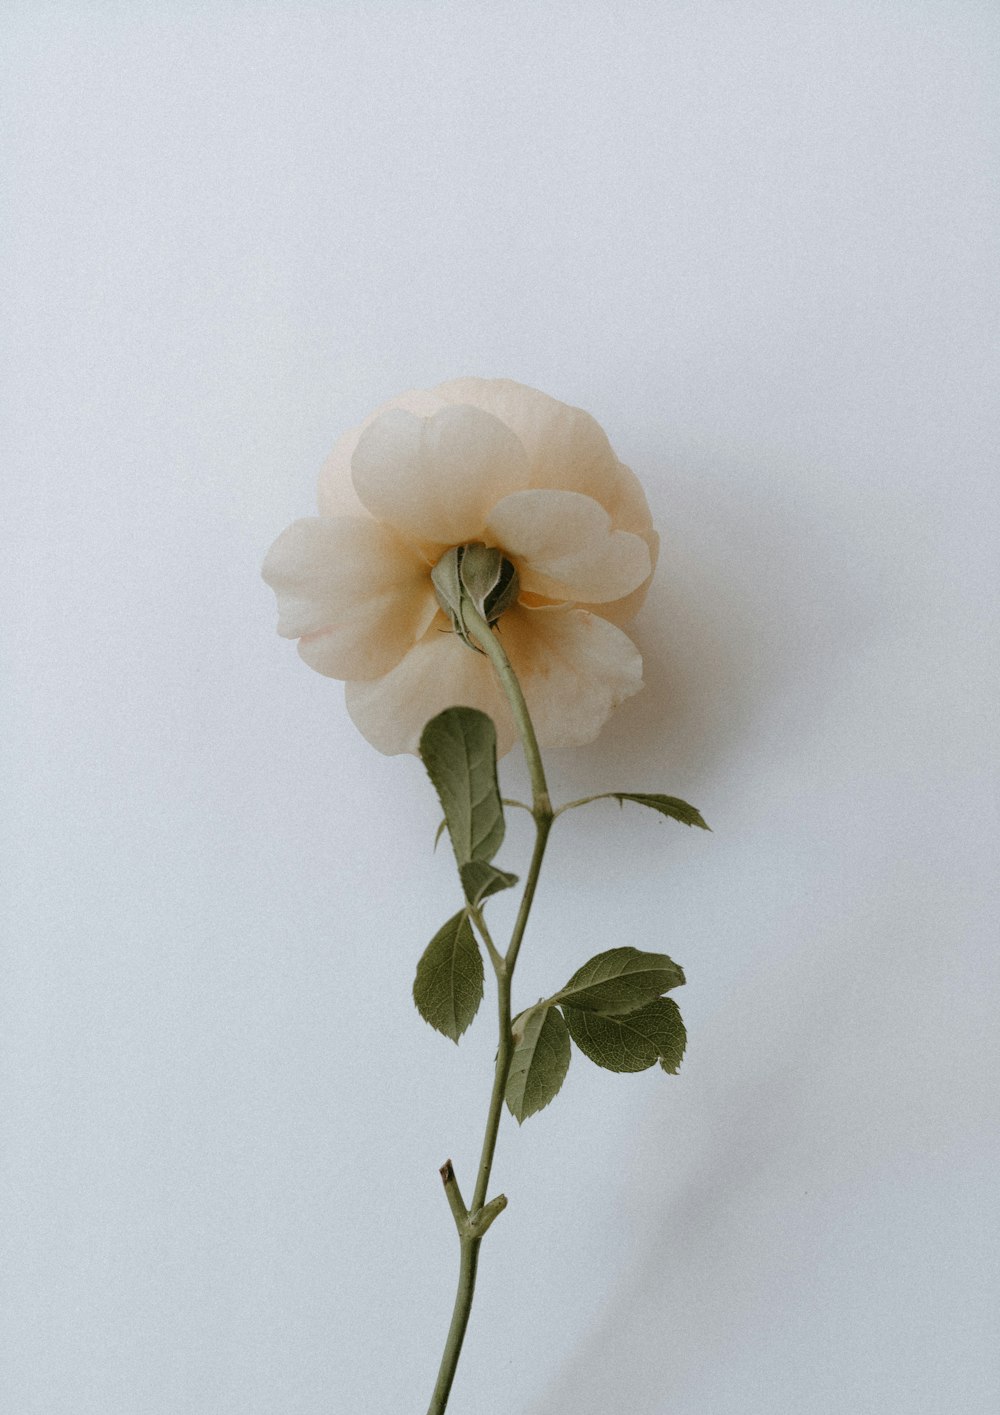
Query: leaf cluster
614,1010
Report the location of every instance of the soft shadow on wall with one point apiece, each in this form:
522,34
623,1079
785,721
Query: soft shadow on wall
760,595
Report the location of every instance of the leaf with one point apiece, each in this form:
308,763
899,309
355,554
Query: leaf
459,750
438,833
671,806
480,880
448,987
634,1042
620,981
671,1056
540,1061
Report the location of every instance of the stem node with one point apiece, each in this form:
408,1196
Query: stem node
542,809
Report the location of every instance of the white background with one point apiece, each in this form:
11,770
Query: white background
758,242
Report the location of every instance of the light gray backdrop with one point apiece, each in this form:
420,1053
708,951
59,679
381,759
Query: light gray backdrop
758,241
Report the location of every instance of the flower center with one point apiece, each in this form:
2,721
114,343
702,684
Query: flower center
474,574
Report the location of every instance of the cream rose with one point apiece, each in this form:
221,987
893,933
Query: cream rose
473,460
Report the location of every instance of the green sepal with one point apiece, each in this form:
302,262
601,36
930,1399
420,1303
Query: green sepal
481,572
480,880
540,1062
634,1042
447,582
459,750
475,574
620,981
448,987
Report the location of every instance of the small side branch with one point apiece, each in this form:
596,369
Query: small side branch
475,913
480,1221
455,1201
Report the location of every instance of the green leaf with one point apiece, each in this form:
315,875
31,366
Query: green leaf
438,833
459,750
671,806
480,880
448,987
634,1042
672,1055
620,981
540,1062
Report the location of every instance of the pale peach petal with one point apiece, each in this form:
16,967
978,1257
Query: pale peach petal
620,611
352,591
564,545
574,669
567,449
335,494
437,673
629,509
436,479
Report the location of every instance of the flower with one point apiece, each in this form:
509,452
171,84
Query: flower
473,460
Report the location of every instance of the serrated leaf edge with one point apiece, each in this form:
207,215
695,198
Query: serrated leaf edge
456,920
547,1011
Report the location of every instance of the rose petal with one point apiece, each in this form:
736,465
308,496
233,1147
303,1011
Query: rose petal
439,672
335,494
574,669
565,546
629,509
436,479
620,611
355,593
567,449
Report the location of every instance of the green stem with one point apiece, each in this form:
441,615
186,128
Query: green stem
543,824
476,915
470,1233
583,801
504,1053
490,643
469,1238
467,1263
